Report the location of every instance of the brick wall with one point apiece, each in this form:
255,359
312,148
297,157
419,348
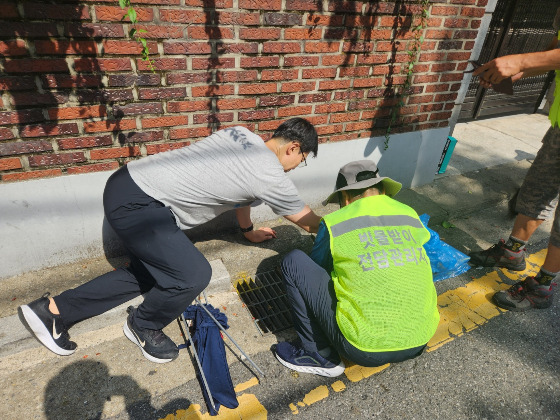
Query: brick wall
76,96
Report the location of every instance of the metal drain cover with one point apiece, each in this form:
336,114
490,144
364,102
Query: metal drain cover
264,295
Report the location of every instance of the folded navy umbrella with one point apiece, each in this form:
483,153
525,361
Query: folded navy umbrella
211,351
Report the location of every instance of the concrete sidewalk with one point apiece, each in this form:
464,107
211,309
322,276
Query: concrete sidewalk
488,164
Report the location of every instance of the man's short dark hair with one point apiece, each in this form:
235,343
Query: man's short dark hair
301,131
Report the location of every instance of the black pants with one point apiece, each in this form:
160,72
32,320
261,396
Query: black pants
165,265
311,293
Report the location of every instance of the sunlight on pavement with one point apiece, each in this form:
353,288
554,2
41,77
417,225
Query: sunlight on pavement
461,310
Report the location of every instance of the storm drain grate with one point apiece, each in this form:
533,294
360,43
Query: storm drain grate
264,295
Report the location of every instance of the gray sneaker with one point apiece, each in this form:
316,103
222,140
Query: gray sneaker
499,255
524,295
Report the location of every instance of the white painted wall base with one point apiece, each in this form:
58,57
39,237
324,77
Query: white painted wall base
48,222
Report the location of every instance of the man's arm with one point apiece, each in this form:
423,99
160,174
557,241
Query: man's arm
305,219
519,65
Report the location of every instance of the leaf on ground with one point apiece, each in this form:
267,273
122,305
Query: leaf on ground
447,224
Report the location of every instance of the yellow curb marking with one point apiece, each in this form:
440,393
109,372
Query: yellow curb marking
246,385
338,386
461,310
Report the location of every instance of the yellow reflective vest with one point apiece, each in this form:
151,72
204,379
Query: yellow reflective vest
386,299
554,113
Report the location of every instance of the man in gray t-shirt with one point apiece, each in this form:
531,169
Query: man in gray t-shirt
150,201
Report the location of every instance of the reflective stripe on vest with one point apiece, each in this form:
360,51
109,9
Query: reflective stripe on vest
386,299
554,113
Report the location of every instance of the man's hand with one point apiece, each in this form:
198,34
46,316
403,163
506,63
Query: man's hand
260,235
499,69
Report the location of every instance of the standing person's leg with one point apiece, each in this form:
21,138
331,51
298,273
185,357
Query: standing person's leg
536,202
313,302
540,194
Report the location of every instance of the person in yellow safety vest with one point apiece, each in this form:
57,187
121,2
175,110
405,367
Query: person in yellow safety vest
366,293
538,196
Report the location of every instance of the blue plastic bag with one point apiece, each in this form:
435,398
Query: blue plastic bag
445,260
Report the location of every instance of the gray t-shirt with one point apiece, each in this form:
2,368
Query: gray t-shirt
229,169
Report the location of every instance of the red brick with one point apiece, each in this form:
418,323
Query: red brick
48,130
268,126
259,33
469,45
12,83
213,118
182,47
161,31
162,64
442,87
445,97
443,67
21,116
97,126
97,167
291,111
315,97
229,18
6,134
334,84
152,149
321,47
298,86
262,4
369,82
210,32
338,60
212,90
213,63
257,88
22,176
431,107
256,115
36,65
102,64
22,147
281,47
162,93
360,47
189,133
463,1
188,78
277,100
139,108
268,74
303,33
347,116
303,61
21,99
28,29
77,112
318,73
84,142
472,11
209,4
63,47
140,137
475,24
282,19
9,10
164,121
238,103
13,48
372,59
56,159
445,10
55,11
426,78
420,99
330,108
113,13
465,34
71,81
93,30
10,163
236,76
353,71
348,6
237,48
134,79
189,106
260,62
104,96
117,152
439,34
127,47
329,129
358,126
184,16
450,45
440,115
482,3
369,21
